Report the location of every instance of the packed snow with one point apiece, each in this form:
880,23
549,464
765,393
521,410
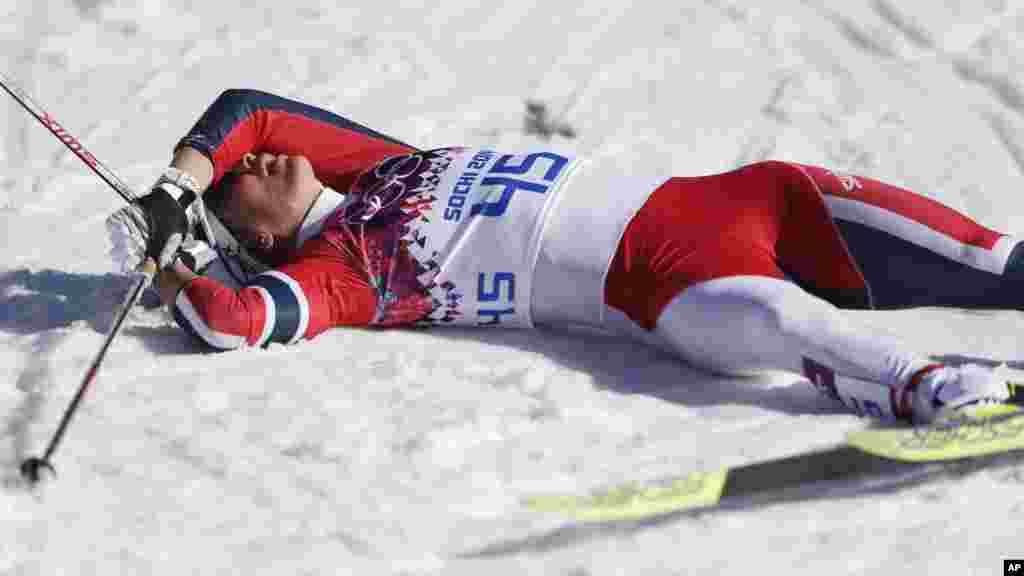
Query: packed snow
407,452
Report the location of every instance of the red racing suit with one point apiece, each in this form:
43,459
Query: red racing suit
389,240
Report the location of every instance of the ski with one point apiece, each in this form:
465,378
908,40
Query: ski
870,460
1000,430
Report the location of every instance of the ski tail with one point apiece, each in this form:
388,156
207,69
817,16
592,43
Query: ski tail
633,501
871,459
793,478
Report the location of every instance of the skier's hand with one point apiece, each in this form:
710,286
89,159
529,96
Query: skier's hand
164,208
171,280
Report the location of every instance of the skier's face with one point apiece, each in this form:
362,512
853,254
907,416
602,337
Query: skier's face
263,197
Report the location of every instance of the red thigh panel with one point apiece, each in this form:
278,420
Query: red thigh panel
758,220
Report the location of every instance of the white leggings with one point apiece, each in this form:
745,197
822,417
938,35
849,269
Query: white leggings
742,324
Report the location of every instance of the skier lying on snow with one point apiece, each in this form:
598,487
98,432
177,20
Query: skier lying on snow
733,272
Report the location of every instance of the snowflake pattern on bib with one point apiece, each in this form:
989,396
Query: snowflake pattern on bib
450,236
382,223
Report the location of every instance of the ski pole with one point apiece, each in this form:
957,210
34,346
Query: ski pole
31,467
44,118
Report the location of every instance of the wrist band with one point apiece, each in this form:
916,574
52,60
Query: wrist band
181,185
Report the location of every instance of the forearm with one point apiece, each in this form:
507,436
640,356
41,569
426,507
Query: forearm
243,121
196,164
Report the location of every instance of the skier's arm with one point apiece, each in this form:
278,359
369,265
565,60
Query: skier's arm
243,121
296,301
194,163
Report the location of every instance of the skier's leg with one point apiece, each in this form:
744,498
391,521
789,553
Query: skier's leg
745,323
698,272
741,324
914,251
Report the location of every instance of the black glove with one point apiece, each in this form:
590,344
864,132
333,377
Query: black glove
164,208
196,255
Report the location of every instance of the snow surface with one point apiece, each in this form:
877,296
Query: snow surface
406,452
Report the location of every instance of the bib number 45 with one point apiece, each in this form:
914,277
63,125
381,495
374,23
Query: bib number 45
532,173
496,294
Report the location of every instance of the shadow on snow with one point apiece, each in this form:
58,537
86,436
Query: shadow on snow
33,302
626,366
44,308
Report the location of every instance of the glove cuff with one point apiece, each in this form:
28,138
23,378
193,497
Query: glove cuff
181,185
196,255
